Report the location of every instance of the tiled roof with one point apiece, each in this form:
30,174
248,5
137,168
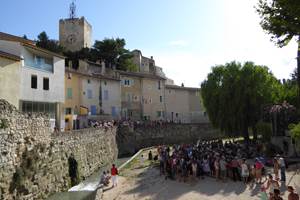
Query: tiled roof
43,50
142,75
9,37
181,88
27,43
10,56
94,75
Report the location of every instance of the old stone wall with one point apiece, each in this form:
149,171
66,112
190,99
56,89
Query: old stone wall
35,163
131,139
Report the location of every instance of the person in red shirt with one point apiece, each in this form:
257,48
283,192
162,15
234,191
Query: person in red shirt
114,174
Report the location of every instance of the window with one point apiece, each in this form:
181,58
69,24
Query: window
159,85
105,95
160,99
159,114
89,81
46,83
69,93
126,82
113,111
105,83
90,94
39,62
33,81
30,106
68,111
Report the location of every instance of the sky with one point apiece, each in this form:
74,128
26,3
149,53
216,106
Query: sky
185,37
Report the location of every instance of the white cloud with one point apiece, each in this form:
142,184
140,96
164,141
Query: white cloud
178,43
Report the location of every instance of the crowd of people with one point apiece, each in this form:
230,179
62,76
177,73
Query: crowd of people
223,161
102,124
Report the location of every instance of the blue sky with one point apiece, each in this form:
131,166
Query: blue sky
186,37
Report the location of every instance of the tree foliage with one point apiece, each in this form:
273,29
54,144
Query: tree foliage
281,19
110,50
234,94
43,41
125,63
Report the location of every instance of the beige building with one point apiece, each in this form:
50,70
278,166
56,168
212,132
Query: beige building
10,78
75,34
142,96
143,91
183,104
90,95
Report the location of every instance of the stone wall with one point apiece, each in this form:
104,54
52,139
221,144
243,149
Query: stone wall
130,139
35,163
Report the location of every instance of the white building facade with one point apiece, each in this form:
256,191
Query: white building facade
41,78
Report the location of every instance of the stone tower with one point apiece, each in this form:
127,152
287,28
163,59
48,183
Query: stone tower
75,33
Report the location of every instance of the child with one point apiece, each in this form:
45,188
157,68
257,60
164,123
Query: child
263,194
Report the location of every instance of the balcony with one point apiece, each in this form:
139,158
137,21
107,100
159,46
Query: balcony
40,63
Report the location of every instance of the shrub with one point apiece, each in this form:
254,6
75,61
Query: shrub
295,131
3,123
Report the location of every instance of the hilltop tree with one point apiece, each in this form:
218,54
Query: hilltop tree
125,63
110,50
43,41
234,94
281,19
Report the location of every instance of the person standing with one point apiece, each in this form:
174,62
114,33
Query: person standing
258,170
276,169
217,168
223,171
245,171
282,169
276,195
235,171
114,174
272,185
292,195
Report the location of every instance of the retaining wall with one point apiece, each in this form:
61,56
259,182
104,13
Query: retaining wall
35,163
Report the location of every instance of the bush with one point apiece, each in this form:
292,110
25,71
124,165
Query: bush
265,130
295,131
3,123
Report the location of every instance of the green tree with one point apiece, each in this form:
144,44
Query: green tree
43,41
125,63
281,19
234,94
25,37
109,50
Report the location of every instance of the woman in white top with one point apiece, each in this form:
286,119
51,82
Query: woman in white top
245,171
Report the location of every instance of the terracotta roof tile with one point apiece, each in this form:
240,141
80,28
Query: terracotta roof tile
9,37
10,56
